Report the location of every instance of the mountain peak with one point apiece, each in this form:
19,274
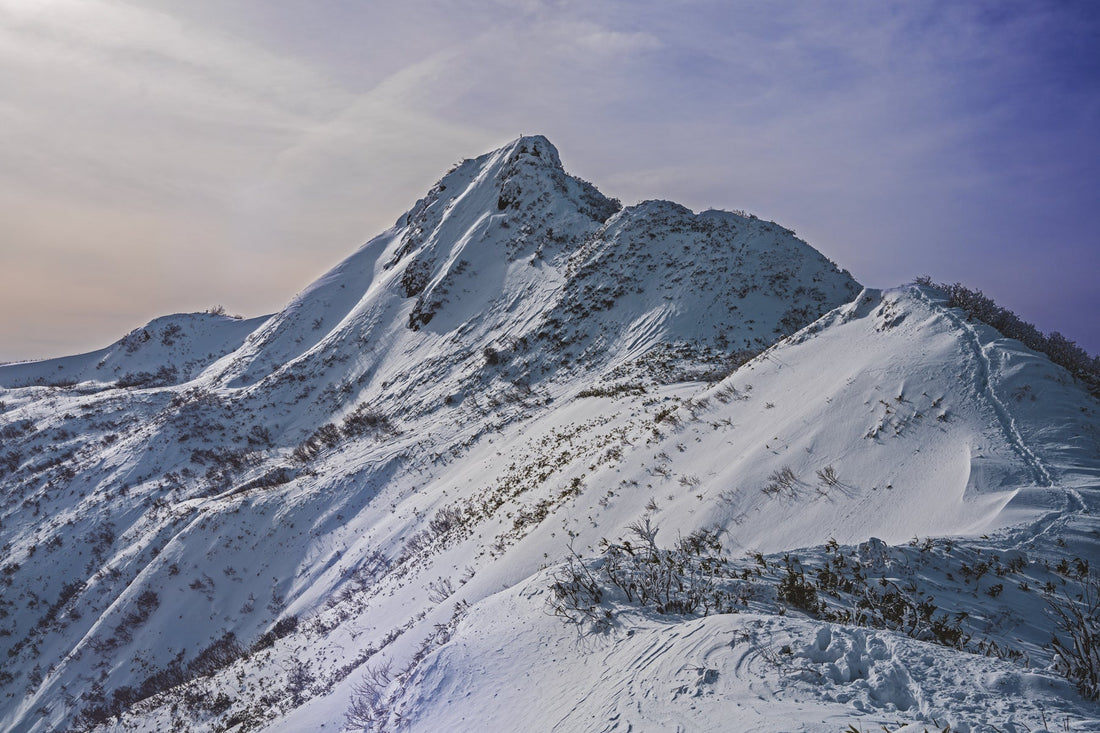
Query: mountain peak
534,148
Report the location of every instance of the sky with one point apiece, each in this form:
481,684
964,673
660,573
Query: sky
162,157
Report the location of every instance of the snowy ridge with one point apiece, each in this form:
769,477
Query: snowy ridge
520,369
984,368
167,350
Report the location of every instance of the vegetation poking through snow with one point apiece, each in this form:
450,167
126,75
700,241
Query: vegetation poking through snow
1061,350
872,585
374,704
684,579
613,390
1076,640
364,420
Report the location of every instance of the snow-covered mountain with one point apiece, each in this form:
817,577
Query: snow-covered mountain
439,489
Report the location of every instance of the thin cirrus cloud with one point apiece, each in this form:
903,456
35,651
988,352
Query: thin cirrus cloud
164,156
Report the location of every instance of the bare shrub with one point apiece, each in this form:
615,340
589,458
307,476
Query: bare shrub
795,590
729,393
667,415
220,653
685,579
368,703
283,627
1077,641
828,476
373,567
365,420
780,481
440,590
1061,350
298,681
445,520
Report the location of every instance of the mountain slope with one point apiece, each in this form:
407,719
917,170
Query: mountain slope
904,402
168,350
518,367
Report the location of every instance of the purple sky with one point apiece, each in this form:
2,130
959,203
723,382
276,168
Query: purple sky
161,156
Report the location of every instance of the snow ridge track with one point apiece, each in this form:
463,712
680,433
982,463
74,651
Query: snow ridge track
985,387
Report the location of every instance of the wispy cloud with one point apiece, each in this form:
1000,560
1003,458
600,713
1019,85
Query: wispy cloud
229,152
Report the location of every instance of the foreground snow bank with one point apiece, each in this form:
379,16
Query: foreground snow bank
513,666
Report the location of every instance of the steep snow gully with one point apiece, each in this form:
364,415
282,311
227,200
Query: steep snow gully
532,459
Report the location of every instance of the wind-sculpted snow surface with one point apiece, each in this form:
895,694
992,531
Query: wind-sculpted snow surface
513,667
313,515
